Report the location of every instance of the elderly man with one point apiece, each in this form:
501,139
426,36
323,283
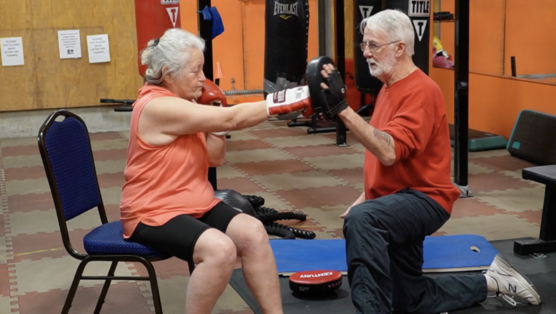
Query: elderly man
408,193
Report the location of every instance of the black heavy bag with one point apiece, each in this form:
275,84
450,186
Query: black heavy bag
236,200
364,81
286,33
419,13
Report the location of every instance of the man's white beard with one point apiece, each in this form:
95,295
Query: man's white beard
382,68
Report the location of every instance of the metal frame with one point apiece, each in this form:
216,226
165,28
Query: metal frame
205,32
83,257
461,97
547,234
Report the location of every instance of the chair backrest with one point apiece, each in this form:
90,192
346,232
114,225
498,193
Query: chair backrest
67,157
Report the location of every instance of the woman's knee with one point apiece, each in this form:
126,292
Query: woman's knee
216,248
248,233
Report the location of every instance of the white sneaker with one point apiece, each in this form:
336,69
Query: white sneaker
511,282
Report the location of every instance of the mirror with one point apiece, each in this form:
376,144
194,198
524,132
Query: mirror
511,38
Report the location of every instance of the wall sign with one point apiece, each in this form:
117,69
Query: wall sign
99,48
419,8
69,44
11,50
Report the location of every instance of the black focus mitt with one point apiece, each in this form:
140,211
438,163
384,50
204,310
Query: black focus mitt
328,102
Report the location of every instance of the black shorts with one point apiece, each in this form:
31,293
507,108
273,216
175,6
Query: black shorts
179,235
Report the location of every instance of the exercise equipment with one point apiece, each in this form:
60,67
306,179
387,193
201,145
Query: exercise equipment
532,138
455,253
547,237
293,256
315,282
318,97
253,205
153,18
419,13
450,253
479,140
236,200
125,104
364,81
268,216
314,124
540,270
286,44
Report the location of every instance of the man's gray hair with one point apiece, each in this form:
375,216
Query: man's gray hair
172,51
396,24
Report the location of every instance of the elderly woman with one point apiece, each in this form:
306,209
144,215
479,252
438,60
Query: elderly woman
167,200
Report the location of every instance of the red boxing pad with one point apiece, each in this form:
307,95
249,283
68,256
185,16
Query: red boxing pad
315,281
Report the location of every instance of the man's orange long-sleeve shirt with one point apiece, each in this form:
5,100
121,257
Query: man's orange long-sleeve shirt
413,112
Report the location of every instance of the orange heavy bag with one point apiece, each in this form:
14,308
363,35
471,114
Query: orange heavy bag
153,18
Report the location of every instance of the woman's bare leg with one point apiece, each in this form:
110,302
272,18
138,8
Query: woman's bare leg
259,266
215,256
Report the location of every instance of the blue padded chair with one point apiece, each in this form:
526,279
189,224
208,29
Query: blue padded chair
67,156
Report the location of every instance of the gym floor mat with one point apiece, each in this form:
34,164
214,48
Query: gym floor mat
464,252
541,271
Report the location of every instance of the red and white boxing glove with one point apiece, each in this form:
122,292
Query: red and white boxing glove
289,100
212,95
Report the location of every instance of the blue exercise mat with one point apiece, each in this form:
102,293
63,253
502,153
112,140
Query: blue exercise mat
449,253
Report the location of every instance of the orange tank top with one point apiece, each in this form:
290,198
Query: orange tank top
162,182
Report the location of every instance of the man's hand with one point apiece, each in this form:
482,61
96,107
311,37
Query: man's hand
334,90
358,201
327,88
346,212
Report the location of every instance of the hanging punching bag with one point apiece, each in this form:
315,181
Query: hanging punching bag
419,13
364,81
153,18
286,41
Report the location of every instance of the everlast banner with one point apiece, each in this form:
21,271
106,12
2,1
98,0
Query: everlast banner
286,40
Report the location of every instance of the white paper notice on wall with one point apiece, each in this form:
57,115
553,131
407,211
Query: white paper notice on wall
99,48
11,49
69,43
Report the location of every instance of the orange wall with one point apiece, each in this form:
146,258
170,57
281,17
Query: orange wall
497,32
494,101
530,36
240,49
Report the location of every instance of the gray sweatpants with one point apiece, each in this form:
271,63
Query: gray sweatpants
384,246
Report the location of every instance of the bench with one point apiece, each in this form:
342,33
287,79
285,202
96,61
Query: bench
547,238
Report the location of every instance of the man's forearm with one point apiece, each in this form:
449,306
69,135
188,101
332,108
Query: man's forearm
379,143
359,200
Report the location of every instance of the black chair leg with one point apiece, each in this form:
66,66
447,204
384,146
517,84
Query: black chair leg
74,285
107,283
154,287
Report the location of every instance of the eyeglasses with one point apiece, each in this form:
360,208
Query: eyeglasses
374,47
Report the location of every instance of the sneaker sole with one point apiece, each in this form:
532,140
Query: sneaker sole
512,271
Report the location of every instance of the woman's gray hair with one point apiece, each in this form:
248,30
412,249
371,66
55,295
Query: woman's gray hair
172,51
396,24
